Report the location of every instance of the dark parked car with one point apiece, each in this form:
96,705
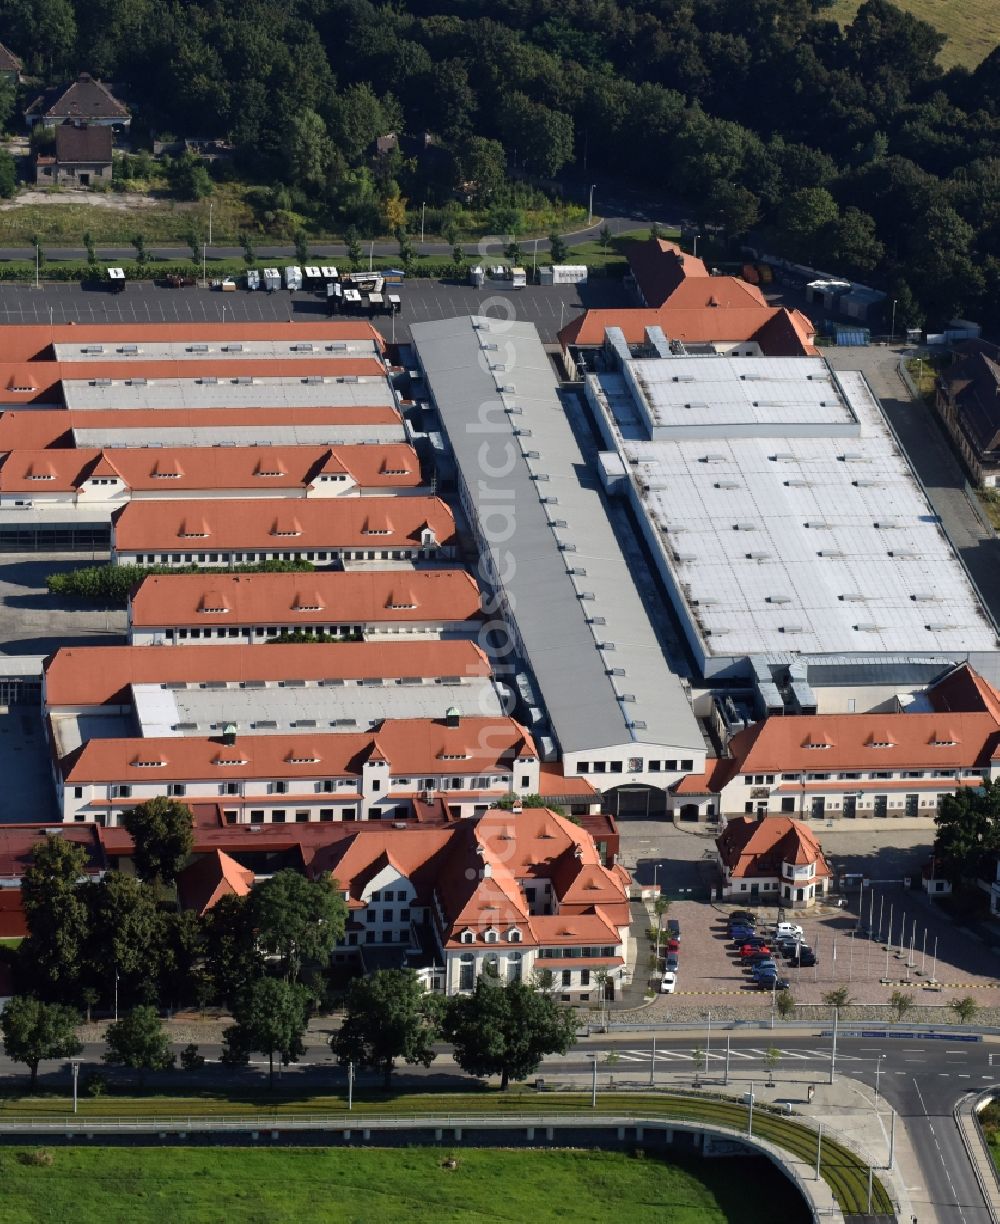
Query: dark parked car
759,958
764,969
672,962
806,959
747,916
770,981
674,928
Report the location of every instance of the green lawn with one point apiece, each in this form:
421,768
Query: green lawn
610,261
846,1174
972,26
296,1185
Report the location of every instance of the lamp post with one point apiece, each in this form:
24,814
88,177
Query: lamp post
593,1089
590,206
878,1072
210,207
204,261
74,1066
892,327
350,1086
696,237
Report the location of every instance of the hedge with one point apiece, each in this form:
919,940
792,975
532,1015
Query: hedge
113,583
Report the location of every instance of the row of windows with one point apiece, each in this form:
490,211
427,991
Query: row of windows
882,775
388,915
231,558
566,953
635,765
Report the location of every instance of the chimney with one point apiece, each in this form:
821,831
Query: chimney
229,734
453,717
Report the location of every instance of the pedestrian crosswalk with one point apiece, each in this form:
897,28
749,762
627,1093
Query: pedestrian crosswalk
744,1054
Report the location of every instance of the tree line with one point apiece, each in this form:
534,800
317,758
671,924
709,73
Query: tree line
848,147
119,943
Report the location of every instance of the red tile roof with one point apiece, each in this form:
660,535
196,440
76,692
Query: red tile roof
413,746
213,468
779,332
87,676
203,883
432,596
33,341
273,525
755,848
659,267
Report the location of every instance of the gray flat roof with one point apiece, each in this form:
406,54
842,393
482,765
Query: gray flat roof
163,711
493,384
234,347
173,393
245,435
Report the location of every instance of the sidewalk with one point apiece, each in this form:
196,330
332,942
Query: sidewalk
978,1152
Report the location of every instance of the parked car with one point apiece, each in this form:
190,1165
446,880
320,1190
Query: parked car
756,956
789,930
741,935
740,928
805,958
668,983
753,941
747,916
671,945
175,280
787,946
673,928
764,969
770,981
672,961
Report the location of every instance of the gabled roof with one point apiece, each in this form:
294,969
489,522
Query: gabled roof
439,595
261,523
659,267
755,848
203,883
86,98
81,142
412,746
90,676
974,385
778,331
8,60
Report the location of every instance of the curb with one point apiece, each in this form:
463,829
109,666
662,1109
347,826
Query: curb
977,1150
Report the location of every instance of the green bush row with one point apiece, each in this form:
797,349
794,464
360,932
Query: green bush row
113,583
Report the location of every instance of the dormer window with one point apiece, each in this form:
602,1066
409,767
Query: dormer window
815,744
467,937
157,763
41,476
491,936
880,744
513,935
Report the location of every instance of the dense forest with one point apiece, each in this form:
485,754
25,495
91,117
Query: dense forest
850,148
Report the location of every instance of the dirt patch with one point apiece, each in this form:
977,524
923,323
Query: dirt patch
116,201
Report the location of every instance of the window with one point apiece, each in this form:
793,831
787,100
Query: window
279,788
654,766
687,766
278,816
121,792
600,767
788,805
525,780
256,815
466,971
77,792
583,767
567,977
301,817
491,936
584,977
404,915
616,767
376,784
467,937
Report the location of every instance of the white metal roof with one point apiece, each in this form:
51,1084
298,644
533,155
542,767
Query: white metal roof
245,435
233,347
171,393
797,544
164,711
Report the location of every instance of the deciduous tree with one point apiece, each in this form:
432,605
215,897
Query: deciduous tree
271,1016
138,1041
297,920
507,1030
34,1030
388,1015
161,830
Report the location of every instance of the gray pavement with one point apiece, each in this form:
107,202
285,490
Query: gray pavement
548,307
34,622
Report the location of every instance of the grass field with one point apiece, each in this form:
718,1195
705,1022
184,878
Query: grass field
202,1186
846,1173
972,26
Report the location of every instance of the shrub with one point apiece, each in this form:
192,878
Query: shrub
113,583
191,1060
39,1158
95,1084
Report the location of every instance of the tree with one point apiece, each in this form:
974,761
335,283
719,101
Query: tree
88,242
394,211
8,175
233,956
51,959
506,1030
803,216
297,920
786,1004
838,998
301,246
457,257
310,151
853,243
34,1030
968,830
965,1009
772,1057
126,937
605,236
138,1041
271,1016
406,252
249,254
698,1059
512,253
900,1002
36,242
188,177
139,242
353,244
557,249
483,166
161,830
357,118
389,1015
194,241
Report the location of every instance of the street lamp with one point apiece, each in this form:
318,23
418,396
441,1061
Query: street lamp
696,237
892,328
210,207
74,1066
590,207
878,1073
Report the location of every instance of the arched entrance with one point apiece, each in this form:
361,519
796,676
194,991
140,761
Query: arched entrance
689,812
637,802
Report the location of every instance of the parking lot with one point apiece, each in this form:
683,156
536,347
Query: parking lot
34,623
28,792
548,307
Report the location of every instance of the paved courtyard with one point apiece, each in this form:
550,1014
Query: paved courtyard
34,622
